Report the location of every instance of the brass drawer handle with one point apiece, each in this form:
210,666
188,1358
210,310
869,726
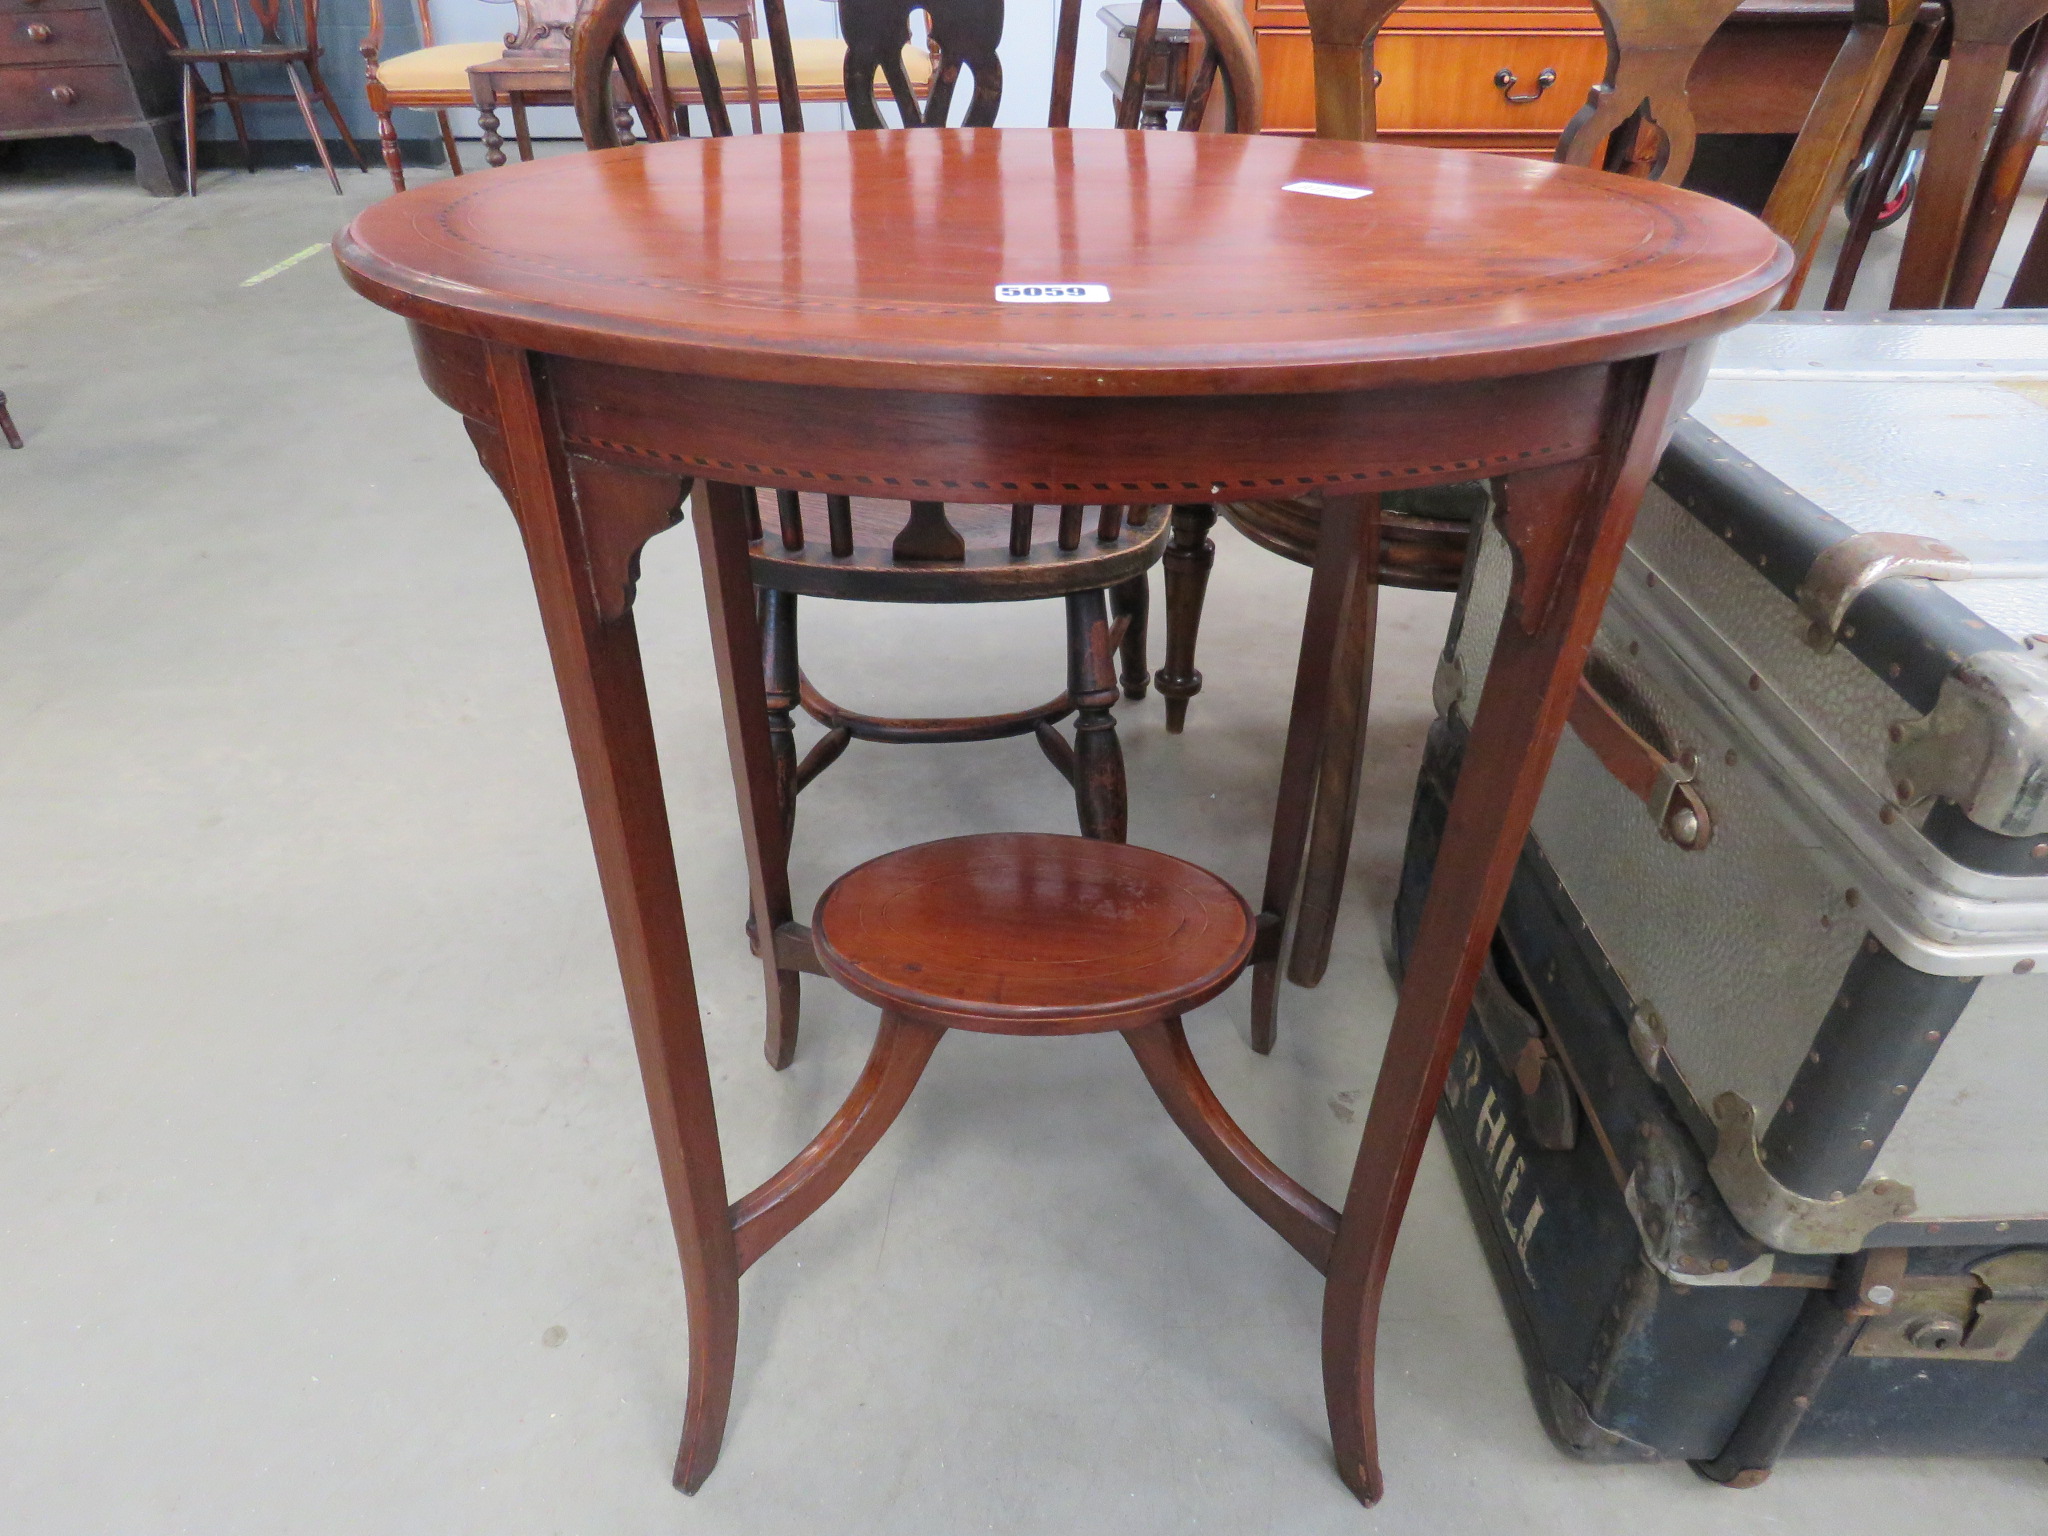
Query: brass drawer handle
63,95
1506,81
37,32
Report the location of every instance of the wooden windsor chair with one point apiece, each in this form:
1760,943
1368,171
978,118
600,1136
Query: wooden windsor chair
1096,559
231,34
1977,157
1636,121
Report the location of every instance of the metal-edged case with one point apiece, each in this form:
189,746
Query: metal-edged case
1798,834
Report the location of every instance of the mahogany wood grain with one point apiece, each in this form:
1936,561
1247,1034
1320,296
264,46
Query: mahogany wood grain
641,315
2014,138
769,1213
1029,933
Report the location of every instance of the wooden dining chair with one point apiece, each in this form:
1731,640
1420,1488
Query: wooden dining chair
1637,121
1096,559
232,34
432,78
1977,155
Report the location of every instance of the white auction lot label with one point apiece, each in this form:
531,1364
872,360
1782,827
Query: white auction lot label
1052,293
1327,189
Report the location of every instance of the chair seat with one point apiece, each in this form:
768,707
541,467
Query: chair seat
1415,551
820,63
442,70
1029,933
989,573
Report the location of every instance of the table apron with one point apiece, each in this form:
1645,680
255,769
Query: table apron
943,447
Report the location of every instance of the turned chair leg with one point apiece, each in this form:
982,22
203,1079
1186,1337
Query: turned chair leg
1099,792
1189,554
779,674
387,141
1131,601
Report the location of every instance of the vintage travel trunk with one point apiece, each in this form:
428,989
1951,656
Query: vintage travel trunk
1753,1106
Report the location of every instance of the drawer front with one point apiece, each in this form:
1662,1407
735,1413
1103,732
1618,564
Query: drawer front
65,98
1444,83
56,37
1453,80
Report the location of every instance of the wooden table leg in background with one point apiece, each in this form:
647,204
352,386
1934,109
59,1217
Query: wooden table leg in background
580,543
736,649
1567,525
1340,601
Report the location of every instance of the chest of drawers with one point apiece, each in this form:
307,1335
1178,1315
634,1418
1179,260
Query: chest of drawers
91,67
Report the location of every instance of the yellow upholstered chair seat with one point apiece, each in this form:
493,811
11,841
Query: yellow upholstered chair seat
437,70
820,63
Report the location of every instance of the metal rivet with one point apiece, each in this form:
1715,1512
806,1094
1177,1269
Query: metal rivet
1887,815
1870,946
1737,1326
1904,790
1934,1037
1848,631
1731,760
2023,967
1802,1402
1852,896
1901,1089
2003,1226
1814,1057
1635,647
1649,578
1880,1295
1755,683
2038,851
1787,1107
1720,1266
1867,1146
1894,669
1897,733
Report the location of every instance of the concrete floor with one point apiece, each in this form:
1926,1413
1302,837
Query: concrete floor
328,1200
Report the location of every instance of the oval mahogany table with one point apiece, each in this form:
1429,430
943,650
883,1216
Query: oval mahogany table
818,312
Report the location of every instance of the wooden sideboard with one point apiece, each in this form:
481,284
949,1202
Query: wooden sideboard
96,68
1444,66
1464,74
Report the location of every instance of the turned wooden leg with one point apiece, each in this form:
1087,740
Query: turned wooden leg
522,135
1131,601
1189,554
736,647
1568,525
487,125
763,1218
587,616
1099,792
1338,764
779,674
387,142
1346,548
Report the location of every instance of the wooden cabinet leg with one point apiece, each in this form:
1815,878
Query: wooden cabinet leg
596,658
729,597
1100,796
1568,533
1190,552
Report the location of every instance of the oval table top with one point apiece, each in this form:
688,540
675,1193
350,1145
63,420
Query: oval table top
872,259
